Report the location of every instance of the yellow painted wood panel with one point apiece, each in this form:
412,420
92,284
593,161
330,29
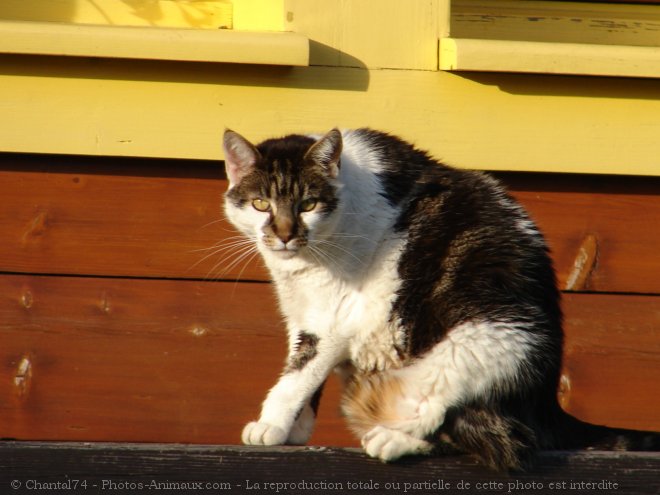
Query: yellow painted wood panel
383,34
249,15
549,58
559,22
355,33
210,14
198,45
259,15
488,121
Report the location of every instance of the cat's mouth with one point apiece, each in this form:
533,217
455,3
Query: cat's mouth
284,250
286,254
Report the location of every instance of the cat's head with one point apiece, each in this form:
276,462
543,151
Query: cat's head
283,193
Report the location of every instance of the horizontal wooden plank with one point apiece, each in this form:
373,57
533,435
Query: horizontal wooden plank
612,359
174,110
540,57
246,15
93,359
204,14
149,43
142,218
188,361
608,23
155,218
602,230
310,470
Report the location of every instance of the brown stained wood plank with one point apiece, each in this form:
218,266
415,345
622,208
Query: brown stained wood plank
187,361
140,360
312,470
607,224
133,359
154,218
132,217
612,359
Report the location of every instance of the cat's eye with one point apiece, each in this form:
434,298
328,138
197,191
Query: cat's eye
308,204
260,204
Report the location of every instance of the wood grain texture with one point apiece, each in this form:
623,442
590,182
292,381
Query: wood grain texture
612,359
188,361
617,215
556,22
347,36
160,13
136,218
313,470
134,360
540,57
157,218
177,110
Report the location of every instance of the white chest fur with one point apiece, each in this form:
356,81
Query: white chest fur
352,314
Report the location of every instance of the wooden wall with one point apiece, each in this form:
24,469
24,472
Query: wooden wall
120,322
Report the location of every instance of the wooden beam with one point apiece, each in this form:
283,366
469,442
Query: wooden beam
596,23
200,14
537,57
150,43
612,346
184,361
600,230
311,470
119,218
144,218
75,105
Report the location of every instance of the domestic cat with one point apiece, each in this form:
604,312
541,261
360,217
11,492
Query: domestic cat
428,288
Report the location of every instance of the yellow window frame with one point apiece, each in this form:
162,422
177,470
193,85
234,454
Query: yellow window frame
576,38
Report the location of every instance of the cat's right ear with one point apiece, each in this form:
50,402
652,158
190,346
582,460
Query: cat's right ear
240,156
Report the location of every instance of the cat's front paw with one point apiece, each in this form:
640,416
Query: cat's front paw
303,427
256,433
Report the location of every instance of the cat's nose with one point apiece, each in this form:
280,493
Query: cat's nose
283,228
285,236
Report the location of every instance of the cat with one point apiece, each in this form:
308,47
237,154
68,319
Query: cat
427,288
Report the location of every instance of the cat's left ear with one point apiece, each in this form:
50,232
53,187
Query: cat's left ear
327,152
240,156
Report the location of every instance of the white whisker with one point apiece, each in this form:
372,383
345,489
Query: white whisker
219,249
239,239
344,235
341,248
232,251
323,258
235,257
245,265
212,222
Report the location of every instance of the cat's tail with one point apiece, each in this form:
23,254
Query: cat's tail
510,442
504,436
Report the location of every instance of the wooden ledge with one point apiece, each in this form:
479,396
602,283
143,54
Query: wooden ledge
27,466
150,43
536,57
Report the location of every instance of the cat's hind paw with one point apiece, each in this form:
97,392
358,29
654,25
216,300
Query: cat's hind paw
256,433
388,445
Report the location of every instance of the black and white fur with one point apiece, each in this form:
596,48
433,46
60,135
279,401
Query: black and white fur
428,288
